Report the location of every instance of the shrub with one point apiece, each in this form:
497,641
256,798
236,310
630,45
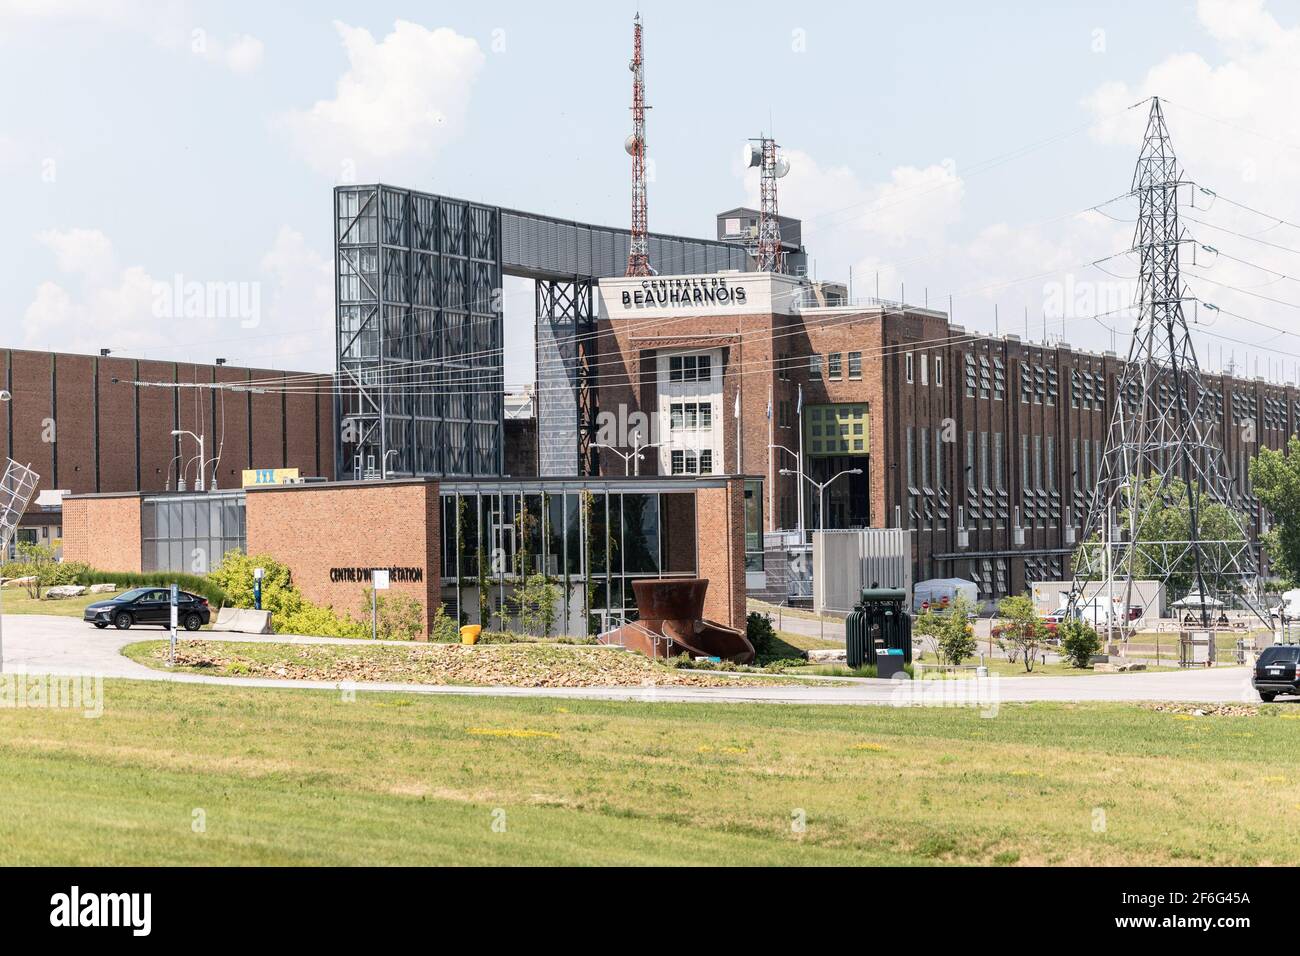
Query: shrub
1079,642
316,621
444,627
194,583
291,613
761,633
397,617
954,638
534,603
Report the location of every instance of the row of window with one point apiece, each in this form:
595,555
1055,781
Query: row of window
687,461
690,416
834,367
911,365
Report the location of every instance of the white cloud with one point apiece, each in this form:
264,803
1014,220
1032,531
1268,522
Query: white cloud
86,252
280,314
300,308
402,97
168,24
241,54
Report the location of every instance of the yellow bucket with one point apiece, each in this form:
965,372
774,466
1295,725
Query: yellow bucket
469,633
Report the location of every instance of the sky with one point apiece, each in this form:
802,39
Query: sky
168,165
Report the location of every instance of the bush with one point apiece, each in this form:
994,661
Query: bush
291,613
444,627
1079,642
954,638
194,583
761,633
397,617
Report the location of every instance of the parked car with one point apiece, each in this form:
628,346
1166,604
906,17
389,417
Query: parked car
149,606
1276,671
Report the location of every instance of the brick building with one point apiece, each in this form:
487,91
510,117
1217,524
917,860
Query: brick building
465,544
85,428
943,425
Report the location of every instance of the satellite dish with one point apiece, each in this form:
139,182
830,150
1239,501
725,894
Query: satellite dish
751,155
782,166
630,143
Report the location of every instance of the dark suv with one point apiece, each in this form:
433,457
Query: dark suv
1276,671
149,606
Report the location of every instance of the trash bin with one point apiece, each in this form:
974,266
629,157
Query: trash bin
469,633
889,661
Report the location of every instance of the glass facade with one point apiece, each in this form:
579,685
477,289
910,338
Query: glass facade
190,533
577,549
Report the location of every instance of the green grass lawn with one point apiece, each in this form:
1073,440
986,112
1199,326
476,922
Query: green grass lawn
295,777
16,601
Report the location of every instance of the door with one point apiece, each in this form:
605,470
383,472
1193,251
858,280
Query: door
154,608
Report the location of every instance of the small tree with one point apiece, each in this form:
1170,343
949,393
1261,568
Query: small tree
535,601
39,566
760,633
1079,641
954,638
1022,628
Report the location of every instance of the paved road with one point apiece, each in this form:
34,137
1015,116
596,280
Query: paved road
56,645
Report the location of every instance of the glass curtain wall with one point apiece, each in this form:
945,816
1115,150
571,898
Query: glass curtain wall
191,533
559,563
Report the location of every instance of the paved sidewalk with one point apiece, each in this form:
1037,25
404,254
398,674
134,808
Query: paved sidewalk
39,644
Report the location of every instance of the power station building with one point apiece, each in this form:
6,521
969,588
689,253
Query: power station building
986,449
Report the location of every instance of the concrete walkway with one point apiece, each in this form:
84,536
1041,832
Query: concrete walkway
38,644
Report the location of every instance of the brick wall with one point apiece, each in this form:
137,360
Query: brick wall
316,529
87,433
720,527
103,532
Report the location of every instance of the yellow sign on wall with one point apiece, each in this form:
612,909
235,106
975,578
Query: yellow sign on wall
269,476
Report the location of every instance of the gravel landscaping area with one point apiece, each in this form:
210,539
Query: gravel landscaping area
507,665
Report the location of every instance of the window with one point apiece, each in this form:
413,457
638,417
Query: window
925,369
938,370
855,366
690,368
690,415
833,366
999,482
984,460
690,462
814,368
907,364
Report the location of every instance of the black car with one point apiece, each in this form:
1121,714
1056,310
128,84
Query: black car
1276,671
149,606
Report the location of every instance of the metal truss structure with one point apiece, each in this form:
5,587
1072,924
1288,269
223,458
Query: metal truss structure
768,254
419,328
566,340
1161,448
419,323
638,256
17,488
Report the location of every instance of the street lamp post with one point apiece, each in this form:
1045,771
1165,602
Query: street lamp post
798,485
198,481
821,491
632,459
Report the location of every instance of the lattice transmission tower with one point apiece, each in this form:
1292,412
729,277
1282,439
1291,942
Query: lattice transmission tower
638,253
1162,447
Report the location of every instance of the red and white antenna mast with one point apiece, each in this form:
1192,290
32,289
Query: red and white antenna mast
762,152
638,253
